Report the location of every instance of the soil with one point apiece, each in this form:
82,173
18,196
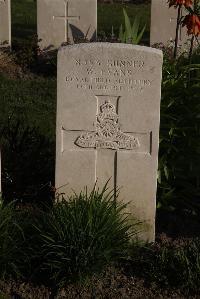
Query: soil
111,284
9,67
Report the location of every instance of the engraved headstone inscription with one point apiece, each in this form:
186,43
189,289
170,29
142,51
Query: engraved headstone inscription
5,23
163,24
108,111
62,21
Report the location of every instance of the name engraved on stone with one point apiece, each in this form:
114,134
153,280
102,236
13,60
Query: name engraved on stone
107,134
109,75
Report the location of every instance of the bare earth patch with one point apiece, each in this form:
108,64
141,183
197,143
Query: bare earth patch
111,284
9,67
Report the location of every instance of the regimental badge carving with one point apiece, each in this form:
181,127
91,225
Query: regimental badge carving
108,134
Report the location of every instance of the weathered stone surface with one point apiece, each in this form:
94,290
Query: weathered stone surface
108,111
163,23
5,23
59,21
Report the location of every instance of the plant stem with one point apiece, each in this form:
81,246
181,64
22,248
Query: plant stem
191,48
177,31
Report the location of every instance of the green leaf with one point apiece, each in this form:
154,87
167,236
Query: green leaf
121,34
139,37
128,26
131,33
135,29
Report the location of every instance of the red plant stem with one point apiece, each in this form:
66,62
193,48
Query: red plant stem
177,31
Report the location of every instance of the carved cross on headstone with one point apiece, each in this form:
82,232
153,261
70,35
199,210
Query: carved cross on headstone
108,136
66,18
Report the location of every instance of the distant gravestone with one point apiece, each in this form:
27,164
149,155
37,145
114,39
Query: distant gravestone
108,111
5,23
163,24
62,21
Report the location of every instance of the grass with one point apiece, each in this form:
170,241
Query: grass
24,19
33,101
27,124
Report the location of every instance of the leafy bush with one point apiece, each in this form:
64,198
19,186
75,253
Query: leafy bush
179,158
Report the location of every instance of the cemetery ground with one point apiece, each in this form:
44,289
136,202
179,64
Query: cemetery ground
34,260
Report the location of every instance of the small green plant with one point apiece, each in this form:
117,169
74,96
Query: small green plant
132,33
83,234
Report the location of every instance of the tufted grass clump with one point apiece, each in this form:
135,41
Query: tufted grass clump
67,242
83,234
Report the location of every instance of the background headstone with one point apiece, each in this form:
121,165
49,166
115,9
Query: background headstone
59,21
108,110
5,23
163,23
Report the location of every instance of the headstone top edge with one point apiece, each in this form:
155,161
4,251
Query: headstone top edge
86,46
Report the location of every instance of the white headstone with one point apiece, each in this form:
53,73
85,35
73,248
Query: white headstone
62,21
108,110
5,23
163,23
